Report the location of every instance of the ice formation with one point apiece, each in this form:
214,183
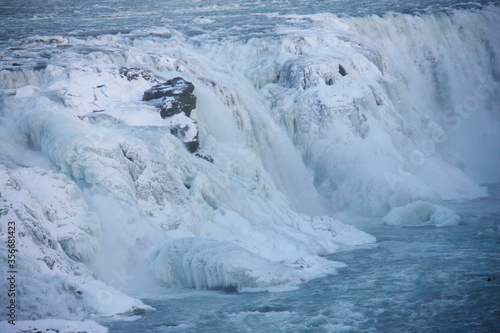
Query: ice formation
99,190
421,213
291,126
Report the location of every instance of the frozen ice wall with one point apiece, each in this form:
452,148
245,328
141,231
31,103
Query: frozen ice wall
107,199
385,110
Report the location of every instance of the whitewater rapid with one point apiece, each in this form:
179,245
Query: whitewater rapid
320,118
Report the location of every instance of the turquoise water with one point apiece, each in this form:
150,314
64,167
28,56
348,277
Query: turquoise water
422,279
19,19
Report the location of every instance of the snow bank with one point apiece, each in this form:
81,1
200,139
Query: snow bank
207,263
421,213
57,239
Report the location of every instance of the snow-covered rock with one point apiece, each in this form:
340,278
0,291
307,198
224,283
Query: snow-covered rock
176,101
57,241
176,96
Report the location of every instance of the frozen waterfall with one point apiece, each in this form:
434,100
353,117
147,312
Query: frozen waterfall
322,116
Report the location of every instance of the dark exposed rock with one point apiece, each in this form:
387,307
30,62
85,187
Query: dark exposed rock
132,74
169,108
188,133
192,146
176,94
342,70
170,88
205,156
176,98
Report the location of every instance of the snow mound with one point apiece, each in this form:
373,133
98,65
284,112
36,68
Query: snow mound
208,263
56,238
203,263
421,213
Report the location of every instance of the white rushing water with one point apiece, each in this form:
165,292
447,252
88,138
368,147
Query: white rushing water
309,119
